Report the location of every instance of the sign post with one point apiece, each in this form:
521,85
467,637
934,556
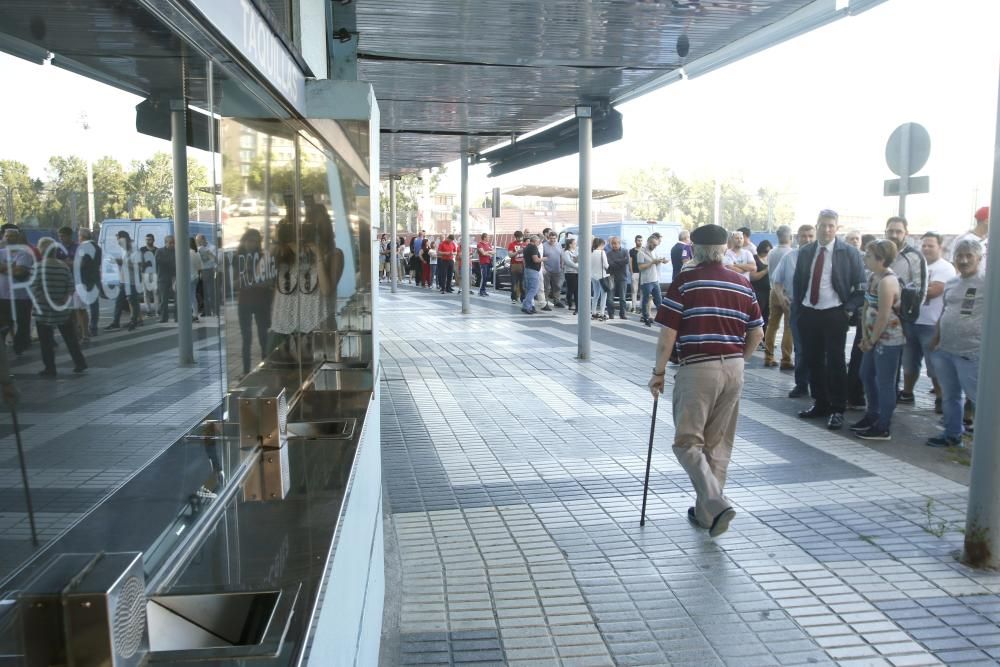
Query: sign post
906,153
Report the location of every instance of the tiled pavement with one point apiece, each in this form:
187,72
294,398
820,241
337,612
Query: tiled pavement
514,478
86,435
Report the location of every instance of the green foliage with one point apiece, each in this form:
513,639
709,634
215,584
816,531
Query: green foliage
61,198
657,192
409,190
24,198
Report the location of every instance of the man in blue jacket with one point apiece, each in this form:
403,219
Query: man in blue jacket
828,286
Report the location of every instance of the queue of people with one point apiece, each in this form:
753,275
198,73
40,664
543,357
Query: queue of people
910,307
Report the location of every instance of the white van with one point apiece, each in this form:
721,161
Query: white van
160,228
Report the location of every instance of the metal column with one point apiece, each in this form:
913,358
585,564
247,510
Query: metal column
583,114
982,521
182,296
464,282
393,263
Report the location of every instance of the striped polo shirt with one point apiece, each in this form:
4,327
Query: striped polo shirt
711,308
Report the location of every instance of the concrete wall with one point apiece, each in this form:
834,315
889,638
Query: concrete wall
349,624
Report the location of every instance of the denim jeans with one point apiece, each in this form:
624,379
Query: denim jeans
878,373
955,374
597,297
918,338
484,274
617,290
650,290
532,282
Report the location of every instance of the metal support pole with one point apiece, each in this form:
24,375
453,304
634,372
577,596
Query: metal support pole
182,296
982,521
464,281
267,194
583,244
717,199
394,262
904,178
90,195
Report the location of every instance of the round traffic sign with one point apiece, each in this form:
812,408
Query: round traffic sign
904,162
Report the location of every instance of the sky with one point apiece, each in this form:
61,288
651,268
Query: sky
809,117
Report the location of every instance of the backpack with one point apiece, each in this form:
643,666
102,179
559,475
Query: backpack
910,297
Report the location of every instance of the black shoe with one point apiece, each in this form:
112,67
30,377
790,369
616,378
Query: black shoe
904,398
547,309
944,441
693,519
112,326
47,373
836,421
863,424
80,369
874,433
798,392
621,316
814,412
611,316
559,304
131,326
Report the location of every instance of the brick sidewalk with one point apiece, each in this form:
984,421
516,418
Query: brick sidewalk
514,478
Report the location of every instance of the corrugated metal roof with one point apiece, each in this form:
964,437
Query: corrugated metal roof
453,75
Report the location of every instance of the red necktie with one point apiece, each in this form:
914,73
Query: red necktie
817,275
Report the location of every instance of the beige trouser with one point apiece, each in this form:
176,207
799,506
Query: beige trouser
706,401
778,313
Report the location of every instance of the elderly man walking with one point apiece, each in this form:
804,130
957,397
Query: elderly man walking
712,315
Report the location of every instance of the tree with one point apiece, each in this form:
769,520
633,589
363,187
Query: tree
654,193
151,183
110,189
66,190
409,190
14,178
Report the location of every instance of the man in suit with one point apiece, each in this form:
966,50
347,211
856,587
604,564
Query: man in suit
828,286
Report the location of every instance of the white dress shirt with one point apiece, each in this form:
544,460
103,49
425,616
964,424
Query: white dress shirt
828,297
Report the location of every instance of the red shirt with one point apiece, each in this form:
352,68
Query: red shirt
516,248
711,308
483,250
447,250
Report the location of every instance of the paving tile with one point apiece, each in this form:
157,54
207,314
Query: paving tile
524,529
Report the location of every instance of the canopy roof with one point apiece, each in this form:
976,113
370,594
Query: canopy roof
558,191
463,76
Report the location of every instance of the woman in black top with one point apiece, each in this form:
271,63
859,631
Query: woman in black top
760,280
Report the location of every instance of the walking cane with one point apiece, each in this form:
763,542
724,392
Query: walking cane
649,460
24,476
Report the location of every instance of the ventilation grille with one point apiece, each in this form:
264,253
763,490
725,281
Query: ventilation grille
129,623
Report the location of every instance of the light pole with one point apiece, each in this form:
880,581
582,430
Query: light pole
85,124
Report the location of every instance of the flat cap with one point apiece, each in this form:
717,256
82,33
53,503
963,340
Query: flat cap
710,235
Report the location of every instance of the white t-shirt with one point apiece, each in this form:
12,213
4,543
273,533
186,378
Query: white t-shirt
940,271
741,256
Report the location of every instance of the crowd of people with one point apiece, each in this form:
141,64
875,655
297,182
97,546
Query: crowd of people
910,306
907,305
57,285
